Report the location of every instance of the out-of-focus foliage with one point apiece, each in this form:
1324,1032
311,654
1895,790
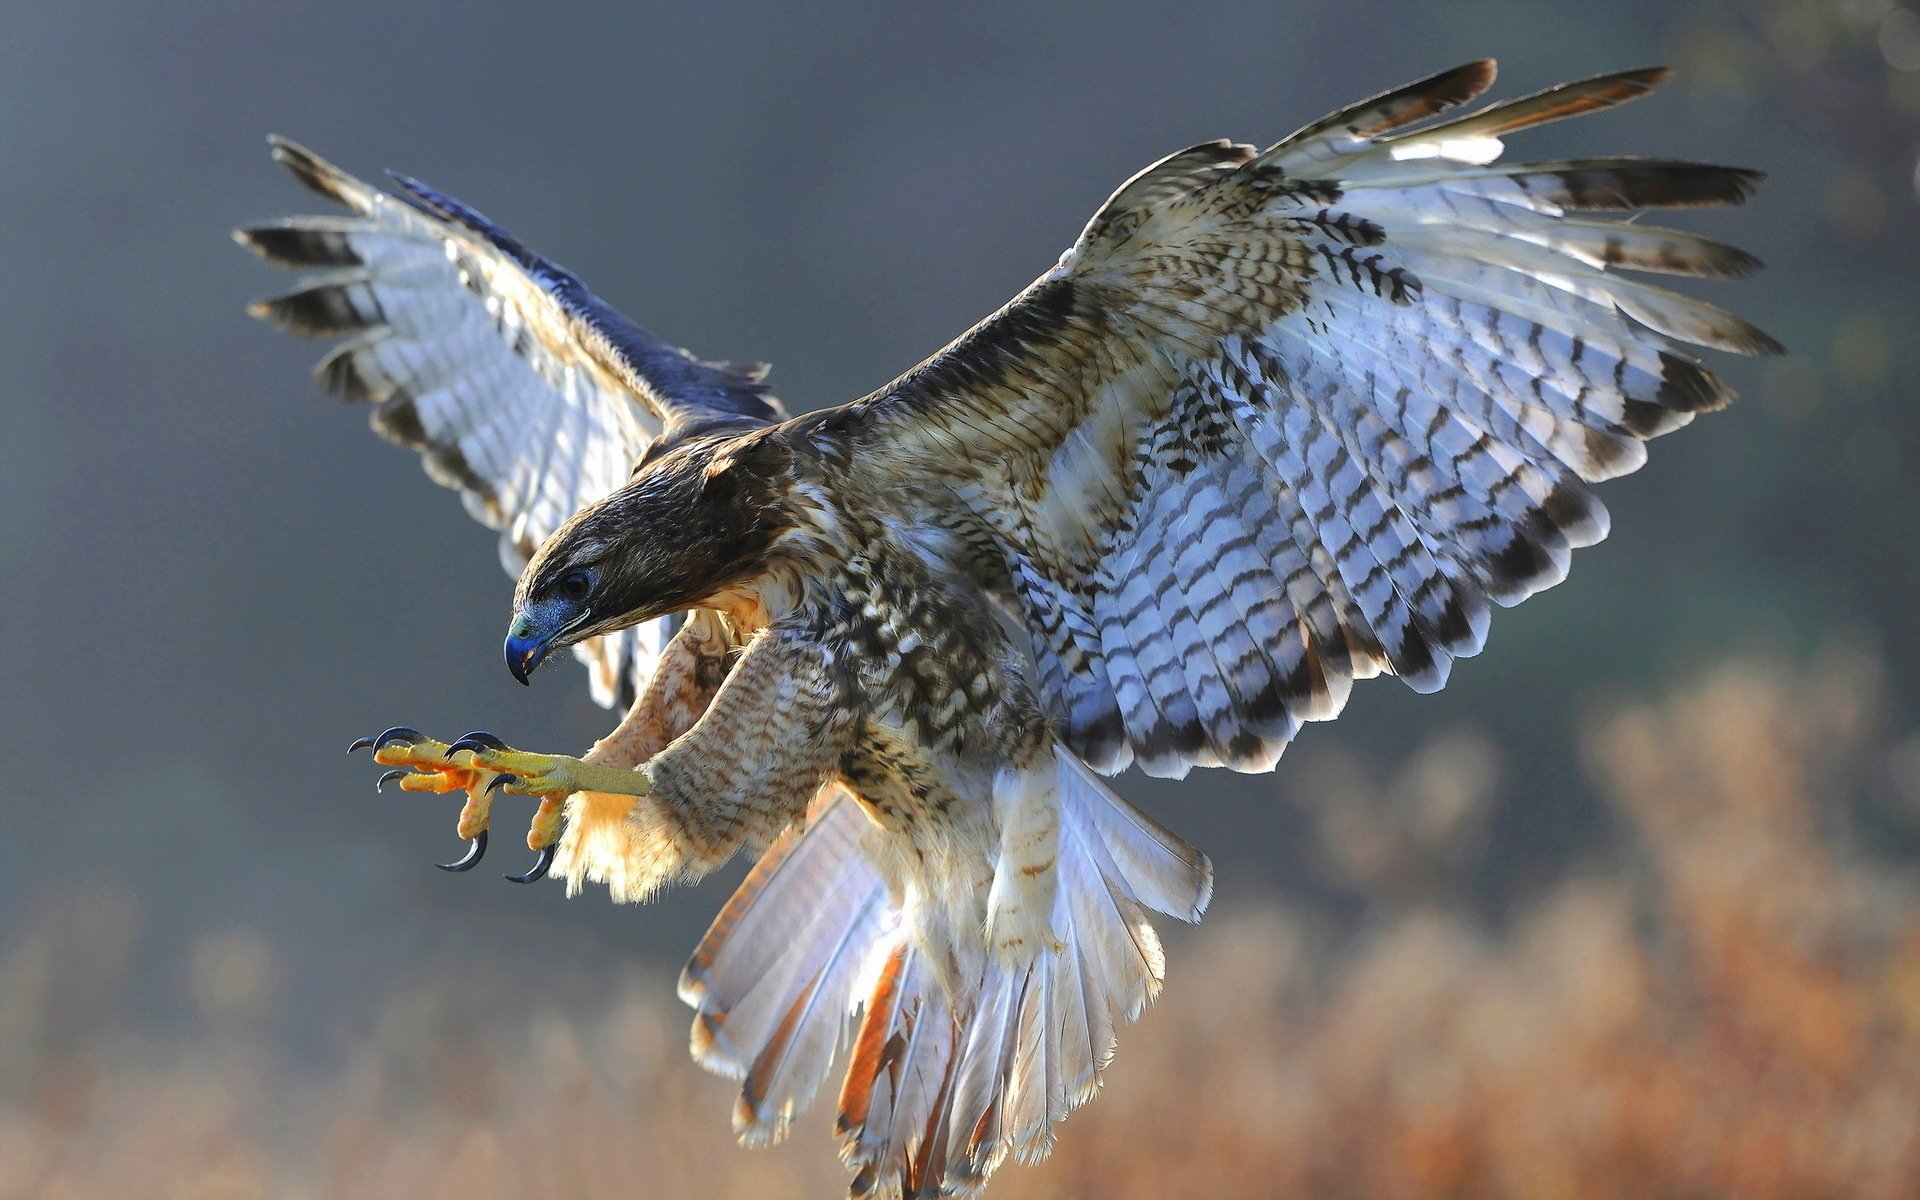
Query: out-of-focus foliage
1728,1004
1846,72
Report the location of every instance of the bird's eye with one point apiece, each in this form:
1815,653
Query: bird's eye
575,585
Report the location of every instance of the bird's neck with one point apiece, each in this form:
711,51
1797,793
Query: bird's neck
754,604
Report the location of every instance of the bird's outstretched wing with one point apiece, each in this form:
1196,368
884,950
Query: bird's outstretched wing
1283,419
518,386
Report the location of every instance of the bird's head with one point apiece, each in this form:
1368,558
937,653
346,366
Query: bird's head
691,523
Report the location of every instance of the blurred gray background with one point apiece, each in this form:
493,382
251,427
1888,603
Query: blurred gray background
213,577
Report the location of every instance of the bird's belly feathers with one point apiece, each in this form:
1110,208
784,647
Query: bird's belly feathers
934,838
924,797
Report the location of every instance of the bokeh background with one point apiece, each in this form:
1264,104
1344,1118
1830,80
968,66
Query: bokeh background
1630,910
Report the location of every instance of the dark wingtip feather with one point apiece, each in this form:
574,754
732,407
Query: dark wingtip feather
1455,625
1517,569
1686,386
399,421
1414,661
1575,513
745,372
1401,106
294,244
1436,94
1099,737
1614,184
1558,103
1462,83
1643,248
1748,181
1619,87
1701,185
1605,449
434,203
1731,262
341,374
1737,336
443,207
321,310
316,173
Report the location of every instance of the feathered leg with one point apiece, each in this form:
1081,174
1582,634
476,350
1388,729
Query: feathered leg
1020,903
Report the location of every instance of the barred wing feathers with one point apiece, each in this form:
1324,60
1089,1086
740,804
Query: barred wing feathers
520,388
1281,420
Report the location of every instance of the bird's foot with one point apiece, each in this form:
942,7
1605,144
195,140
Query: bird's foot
481,765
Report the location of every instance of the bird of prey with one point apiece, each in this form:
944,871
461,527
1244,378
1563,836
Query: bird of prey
1278,420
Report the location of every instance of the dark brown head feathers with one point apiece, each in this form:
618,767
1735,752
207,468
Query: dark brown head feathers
690,523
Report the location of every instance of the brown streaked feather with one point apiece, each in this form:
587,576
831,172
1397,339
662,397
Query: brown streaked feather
1173,176
1666,251
1611,184
1551,104
1400,106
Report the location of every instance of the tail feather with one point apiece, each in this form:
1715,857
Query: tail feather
770,981
946,1076
800,1051
899,1077
1042,1034
977,1123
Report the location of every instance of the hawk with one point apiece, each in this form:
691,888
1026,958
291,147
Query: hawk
1277,421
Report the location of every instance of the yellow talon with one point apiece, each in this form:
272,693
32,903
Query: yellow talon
477,812
481,764
545,830
405,754
437,781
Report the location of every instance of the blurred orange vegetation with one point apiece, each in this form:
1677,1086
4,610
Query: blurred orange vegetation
1726,1002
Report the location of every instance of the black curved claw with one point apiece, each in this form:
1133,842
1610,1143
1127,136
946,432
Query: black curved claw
381,784
476,850
399,733
500,781
539,869
479,739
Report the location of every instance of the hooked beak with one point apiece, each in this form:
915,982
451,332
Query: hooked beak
527,645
